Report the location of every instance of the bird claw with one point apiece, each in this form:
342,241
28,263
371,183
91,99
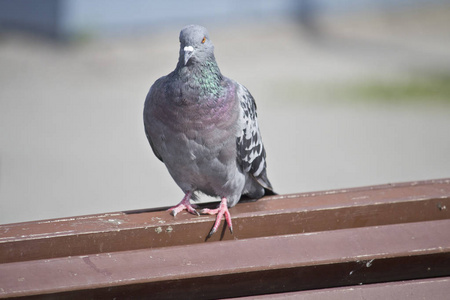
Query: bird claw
213,230
222,210
172,212
180,207
194,211
184,205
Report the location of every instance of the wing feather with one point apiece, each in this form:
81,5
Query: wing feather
250,148
147,123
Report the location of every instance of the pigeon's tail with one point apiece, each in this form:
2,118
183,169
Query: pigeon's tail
265,183
268,192
263,180
258,188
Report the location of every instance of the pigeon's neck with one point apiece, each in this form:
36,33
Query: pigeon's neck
205,76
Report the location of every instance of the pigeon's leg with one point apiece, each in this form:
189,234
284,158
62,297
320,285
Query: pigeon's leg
185,204
222,210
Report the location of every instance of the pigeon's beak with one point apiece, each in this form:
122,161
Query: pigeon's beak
188,51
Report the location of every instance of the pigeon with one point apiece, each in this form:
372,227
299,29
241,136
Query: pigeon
203,126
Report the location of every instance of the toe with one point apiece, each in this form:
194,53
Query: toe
221,211
207,211
192,210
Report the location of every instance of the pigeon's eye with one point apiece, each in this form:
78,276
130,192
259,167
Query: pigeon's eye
203,40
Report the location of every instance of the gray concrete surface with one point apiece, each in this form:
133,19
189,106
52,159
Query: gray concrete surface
71,132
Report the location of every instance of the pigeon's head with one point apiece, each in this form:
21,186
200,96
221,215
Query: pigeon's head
195,45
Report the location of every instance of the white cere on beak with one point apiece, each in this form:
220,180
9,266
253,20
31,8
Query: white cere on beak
188,50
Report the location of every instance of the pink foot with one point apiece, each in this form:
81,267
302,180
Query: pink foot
185,204
220,211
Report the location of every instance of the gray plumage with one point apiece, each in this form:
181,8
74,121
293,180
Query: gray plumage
203,126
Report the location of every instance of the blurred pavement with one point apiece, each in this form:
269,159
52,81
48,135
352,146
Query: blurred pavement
71,134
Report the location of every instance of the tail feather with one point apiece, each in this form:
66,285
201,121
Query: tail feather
265,183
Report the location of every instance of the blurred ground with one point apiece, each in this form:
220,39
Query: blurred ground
350,101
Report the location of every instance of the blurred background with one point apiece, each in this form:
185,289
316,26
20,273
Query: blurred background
349,93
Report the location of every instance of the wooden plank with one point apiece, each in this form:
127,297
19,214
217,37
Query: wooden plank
270,216
433,288
244,267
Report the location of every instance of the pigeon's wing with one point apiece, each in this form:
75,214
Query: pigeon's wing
153,147
147,122
250,149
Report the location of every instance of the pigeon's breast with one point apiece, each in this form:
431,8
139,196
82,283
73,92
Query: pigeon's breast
197,141
185,109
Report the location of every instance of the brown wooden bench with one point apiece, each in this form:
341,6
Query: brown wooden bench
362,243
